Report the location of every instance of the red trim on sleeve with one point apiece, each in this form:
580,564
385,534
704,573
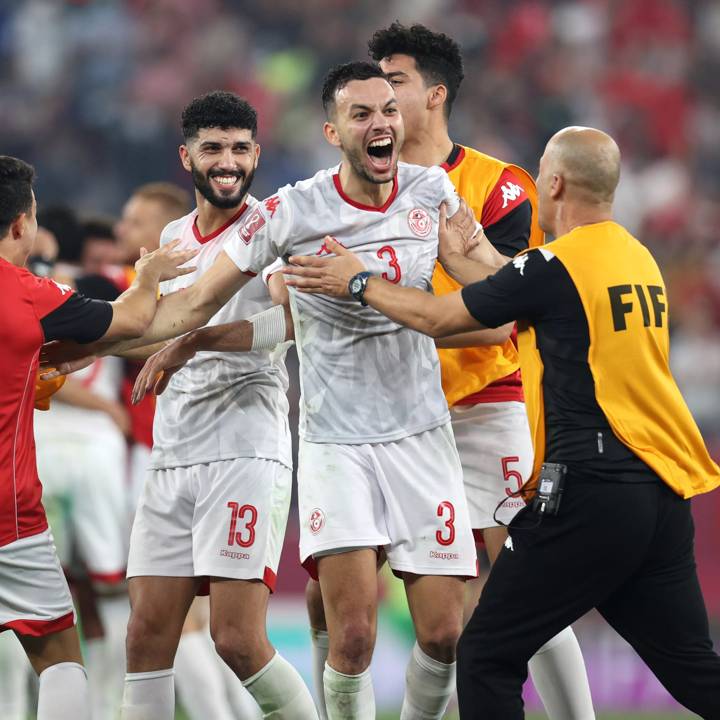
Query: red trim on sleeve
507,194
40,628
360,206
506,389
202,239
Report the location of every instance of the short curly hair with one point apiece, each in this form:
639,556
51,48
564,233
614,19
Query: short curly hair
218,109
437,56
340,75
16,180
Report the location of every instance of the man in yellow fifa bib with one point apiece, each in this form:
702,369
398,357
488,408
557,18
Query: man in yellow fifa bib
615,445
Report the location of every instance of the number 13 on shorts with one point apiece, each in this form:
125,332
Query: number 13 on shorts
247,515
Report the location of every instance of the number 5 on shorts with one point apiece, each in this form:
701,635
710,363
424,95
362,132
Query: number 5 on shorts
445,508
239,512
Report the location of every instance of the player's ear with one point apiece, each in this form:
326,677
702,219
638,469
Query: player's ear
185,157
437,95
557,186
331,134
18,226
257,154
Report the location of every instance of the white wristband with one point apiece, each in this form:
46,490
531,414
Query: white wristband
268,328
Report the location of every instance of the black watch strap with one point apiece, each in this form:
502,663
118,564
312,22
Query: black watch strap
358,284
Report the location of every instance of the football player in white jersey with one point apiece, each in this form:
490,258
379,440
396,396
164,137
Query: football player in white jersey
215,501
378,464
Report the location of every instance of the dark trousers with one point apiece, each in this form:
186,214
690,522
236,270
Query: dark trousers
625,549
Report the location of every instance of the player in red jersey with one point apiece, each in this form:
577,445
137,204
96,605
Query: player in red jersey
34,598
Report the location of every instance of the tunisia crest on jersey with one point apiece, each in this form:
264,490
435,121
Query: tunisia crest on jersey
419,222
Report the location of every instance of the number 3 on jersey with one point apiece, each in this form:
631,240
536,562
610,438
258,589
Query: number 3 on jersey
446,511
239,512
386,252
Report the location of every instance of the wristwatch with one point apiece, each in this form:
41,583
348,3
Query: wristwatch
358,284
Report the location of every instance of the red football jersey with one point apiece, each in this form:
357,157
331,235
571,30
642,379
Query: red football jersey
26,300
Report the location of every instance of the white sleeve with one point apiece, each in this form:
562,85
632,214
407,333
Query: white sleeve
448,194
263,237
271,270
168,235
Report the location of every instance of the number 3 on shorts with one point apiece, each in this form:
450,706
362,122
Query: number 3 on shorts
239,512
445,508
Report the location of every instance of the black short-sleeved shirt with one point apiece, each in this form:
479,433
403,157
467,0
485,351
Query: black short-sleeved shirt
535,288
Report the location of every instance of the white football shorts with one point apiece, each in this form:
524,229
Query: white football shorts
406,496
221,519
86,500
34,595
493,440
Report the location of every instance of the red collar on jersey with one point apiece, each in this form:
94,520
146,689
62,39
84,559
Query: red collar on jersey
360,206
454,158
202,239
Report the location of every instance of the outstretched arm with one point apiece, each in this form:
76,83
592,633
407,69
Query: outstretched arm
261,332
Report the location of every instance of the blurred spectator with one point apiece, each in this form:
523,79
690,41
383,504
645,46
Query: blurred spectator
100,247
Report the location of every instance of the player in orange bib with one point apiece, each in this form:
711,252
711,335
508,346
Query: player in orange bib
482,382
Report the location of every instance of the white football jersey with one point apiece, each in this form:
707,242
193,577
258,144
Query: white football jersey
62,420
221,405
364,378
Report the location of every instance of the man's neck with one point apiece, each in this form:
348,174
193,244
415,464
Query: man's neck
210,217
10,252
363,191
573,216
428,148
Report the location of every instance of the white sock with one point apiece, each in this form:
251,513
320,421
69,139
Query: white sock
280,692
63,693
348,697
199,680
558,672
149,696
320,649
14,671
429,685
242,702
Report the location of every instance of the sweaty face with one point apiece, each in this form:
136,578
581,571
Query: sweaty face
222,163
369,128
410,91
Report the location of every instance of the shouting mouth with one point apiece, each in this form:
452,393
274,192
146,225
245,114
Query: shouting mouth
380,153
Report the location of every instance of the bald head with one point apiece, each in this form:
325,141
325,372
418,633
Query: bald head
588,160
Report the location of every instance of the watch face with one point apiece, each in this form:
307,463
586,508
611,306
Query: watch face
356,285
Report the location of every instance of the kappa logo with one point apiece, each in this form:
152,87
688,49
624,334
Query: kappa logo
509,544
317,521
64,289
519,262
251,226
510,192
271,204
419,222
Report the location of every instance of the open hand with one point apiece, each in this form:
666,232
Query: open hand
160,367
166,261
62,357
325,275
458,233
